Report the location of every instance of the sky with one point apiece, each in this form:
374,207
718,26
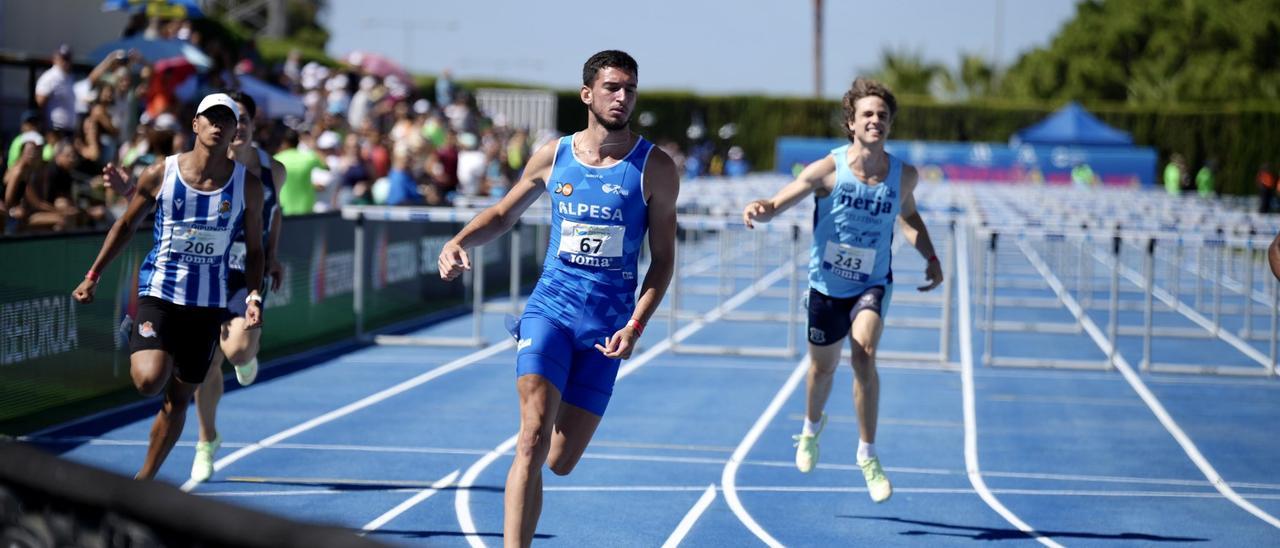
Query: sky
704,46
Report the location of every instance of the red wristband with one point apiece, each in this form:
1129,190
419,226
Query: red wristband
636,325
92,276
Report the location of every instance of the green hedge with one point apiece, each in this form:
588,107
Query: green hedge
1240,138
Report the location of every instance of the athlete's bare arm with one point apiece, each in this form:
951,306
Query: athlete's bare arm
662,183
122,230
915,231
254,257
818,177
500,217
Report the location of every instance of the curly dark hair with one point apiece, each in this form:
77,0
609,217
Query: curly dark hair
605,59
866,87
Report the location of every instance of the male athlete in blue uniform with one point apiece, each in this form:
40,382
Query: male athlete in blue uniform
608,186
860,190
202,199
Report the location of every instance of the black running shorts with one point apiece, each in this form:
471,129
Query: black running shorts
830,318
188,334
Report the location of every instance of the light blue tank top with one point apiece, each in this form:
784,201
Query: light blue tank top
853,231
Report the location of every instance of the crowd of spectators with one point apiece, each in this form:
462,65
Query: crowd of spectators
364,137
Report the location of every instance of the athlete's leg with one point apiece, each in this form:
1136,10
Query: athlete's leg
865,337
866,330
573,431
822,368
150,370
828,323
207,397
586,396
210,393
146,366
539,404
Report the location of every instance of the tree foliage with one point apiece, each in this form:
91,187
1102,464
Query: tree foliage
907,73
1151,52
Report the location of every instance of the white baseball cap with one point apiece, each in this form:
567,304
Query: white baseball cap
218,100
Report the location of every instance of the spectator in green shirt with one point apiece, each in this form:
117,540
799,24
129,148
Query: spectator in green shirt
1173,174
1082,176
1204,179
298,195
30,127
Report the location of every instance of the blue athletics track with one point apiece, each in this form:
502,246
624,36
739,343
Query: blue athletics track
1023,404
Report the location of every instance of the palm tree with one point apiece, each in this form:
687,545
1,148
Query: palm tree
977,76
907,73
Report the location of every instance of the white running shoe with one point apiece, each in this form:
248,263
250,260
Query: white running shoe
878,485
248,372
202,466
807,447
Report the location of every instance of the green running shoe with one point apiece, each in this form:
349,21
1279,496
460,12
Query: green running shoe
807,447
202,466
247,373
877,485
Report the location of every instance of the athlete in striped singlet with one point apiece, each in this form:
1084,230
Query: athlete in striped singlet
608,186
860,190
202,199
237,342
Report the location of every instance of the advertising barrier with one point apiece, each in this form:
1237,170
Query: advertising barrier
55,352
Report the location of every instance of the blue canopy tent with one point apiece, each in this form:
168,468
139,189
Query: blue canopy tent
1071,125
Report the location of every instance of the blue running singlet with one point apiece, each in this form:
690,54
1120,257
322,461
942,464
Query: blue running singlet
270,203
599,217
853,231
192,232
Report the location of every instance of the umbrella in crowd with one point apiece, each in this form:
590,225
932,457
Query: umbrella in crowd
377,65
155,50
177,9
272,101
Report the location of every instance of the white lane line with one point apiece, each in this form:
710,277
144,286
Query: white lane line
686,524
710,461
728,477
670,489
462,500
1188,446
402,507
972,469
358,405
149,401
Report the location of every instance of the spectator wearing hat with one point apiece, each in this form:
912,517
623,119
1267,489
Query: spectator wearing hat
55,94
326,180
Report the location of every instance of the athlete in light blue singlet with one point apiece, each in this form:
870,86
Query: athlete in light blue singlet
608,187
860,191
201,198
